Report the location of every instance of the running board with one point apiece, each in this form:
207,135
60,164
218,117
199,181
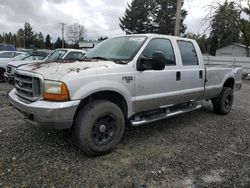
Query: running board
167,115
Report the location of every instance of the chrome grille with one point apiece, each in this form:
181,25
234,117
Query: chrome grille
28,85
9,68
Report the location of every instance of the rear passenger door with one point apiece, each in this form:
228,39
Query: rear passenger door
192,74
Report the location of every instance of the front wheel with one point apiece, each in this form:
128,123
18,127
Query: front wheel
98,127
224,102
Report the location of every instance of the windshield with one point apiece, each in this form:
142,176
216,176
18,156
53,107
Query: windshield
56,55
120,48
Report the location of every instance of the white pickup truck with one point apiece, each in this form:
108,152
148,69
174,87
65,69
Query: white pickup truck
134,79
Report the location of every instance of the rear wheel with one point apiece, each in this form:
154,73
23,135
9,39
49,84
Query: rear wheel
98,127
2,74
224,102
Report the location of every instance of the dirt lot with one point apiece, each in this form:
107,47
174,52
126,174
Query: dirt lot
198,149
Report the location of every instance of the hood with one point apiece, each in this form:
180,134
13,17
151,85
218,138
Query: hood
19,63
58,69
4,59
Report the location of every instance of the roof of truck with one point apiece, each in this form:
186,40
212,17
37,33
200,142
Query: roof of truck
70,49
158,35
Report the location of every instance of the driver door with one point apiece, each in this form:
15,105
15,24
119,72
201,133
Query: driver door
155,89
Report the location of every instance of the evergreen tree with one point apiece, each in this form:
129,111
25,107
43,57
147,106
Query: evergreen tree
138,18
151,16
58,43
48,44
20,38
38,40
28,35
165,12
224,27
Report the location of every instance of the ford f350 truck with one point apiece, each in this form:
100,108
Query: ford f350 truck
134,79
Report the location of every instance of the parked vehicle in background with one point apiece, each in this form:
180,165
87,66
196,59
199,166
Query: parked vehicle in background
67,54
7,47
135,78
5,57
22,60
58,54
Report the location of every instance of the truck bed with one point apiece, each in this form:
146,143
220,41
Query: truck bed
216,75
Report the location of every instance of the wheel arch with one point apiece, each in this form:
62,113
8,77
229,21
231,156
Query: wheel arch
109,95
230,82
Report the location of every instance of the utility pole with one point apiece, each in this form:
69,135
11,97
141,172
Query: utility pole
3,37
63,24
178,18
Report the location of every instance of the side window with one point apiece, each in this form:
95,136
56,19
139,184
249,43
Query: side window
188,53
17,54
163,45
6,55
74,55
40,57
79,55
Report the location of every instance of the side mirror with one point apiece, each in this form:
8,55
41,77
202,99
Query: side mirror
159,60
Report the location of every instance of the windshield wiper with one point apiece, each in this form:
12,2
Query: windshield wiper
99,57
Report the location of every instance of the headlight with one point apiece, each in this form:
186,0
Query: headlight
55,91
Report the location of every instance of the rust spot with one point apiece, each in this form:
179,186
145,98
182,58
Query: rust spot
77,69
38,65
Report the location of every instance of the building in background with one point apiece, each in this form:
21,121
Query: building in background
233,50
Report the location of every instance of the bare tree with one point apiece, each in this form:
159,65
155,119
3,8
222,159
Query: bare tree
76,32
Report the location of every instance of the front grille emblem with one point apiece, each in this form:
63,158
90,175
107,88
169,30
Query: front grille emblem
20,84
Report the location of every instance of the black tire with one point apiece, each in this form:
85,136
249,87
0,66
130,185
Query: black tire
98,127
224,102
2,75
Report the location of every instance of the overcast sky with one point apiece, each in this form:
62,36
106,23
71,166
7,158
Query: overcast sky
100,17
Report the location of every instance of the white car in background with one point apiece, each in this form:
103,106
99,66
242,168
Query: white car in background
5,58
7,55
58,54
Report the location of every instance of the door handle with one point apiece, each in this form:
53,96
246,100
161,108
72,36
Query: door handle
201,74
178,75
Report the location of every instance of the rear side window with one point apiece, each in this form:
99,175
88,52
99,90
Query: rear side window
74,56
163,45
188,53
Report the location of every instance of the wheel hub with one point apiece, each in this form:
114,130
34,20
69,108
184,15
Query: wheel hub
102,128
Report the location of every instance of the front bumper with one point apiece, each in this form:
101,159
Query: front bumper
9,78
44,114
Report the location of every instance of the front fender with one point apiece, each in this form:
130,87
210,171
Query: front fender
105,85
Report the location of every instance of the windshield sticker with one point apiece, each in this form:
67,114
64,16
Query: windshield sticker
138,39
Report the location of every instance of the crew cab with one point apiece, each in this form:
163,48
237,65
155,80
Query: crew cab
133,79
69,54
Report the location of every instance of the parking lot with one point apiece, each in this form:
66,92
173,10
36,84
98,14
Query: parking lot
197,149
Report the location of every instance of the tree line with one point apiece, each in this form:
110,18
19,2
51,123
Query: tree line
26,38
228,22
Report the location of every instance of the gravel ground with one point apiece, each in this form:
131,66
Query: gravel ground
197,149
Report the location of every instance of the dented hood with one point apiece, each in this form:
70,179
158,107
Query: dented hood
59,69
